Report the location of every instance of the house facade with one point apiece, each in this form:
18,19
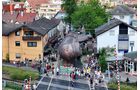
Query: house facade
27,41
130,63
124,13
49,9
15,13
119,34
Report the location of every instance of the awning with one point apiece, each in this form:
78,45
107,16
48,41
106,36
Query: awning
113,58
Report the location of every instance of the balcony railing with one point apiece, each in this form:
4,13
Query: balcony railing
123,37
31,38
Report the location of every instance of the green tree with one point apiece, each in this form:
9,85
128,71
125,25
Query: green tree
102,59
103,54
69,6
7,57
90,15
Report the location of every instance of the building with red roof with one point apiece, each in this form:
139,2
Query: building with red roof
35,3
13,6
18,17
15,12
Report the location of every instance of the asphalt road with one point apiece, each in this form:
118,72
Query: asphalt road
64,83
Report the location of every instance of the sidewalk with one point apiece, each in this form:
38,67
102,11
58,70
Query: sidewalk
102,84
123,77
131,77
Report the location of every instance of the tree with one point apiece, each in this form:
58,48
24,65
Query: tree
7,57
69,6
102,59
103,54
90,15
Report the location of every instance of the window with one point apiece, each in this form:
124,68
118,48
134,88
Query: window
28,33
32,44
17,33
132,32
123,29
121,17
18,55
132,45
112,32
123,45
17,43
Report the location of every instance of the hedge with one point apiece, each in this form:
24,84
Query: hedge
123,86
19,74
13,86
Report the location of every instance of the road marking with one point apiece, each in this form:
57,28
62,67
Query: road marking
50,83
69,84
40,80
61,86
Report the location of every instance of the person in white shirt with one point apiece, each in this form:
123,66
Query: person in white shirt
57,71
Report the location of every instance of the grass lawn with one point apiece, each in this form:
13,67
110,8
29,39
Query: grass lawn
15,73
123,86
7,88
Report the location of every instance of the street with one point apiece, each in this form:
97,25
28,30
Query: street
64,83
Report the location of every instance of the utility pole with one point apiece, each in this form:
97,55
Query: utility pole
118,77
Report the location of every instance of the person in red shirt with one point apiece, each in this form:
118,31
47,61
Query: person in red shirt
72,75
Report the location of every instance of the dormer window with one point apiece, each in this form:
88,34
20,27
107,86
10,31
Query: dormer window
17,33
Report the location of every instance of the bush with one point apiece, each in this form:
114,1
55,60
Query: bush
123,86
19,74
13,86
7,58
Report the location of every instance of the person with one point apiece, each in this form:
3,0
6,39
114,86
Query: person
34,86
72,77
127,80
47,69
85,71
52,68
91,81
57,71
39,68
14,62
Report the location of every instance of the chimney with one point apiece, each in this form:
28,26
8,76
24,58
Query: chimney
11,8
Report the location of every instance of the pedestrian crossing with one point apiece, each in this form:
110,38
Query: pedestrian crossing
62,83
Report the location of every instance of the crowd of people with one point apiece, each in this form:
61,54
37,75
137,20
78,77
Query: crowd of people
92,70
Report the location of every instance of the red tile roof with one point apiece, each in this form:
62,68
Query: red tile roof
7,17
27,17
7,8
35,3
130,1
16,17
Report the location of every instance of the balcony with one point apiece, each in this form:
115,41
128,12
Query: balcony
123,37
25,38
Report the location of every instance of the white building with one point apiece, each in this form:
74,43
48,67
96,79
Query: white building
124,13
49,9
118,33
